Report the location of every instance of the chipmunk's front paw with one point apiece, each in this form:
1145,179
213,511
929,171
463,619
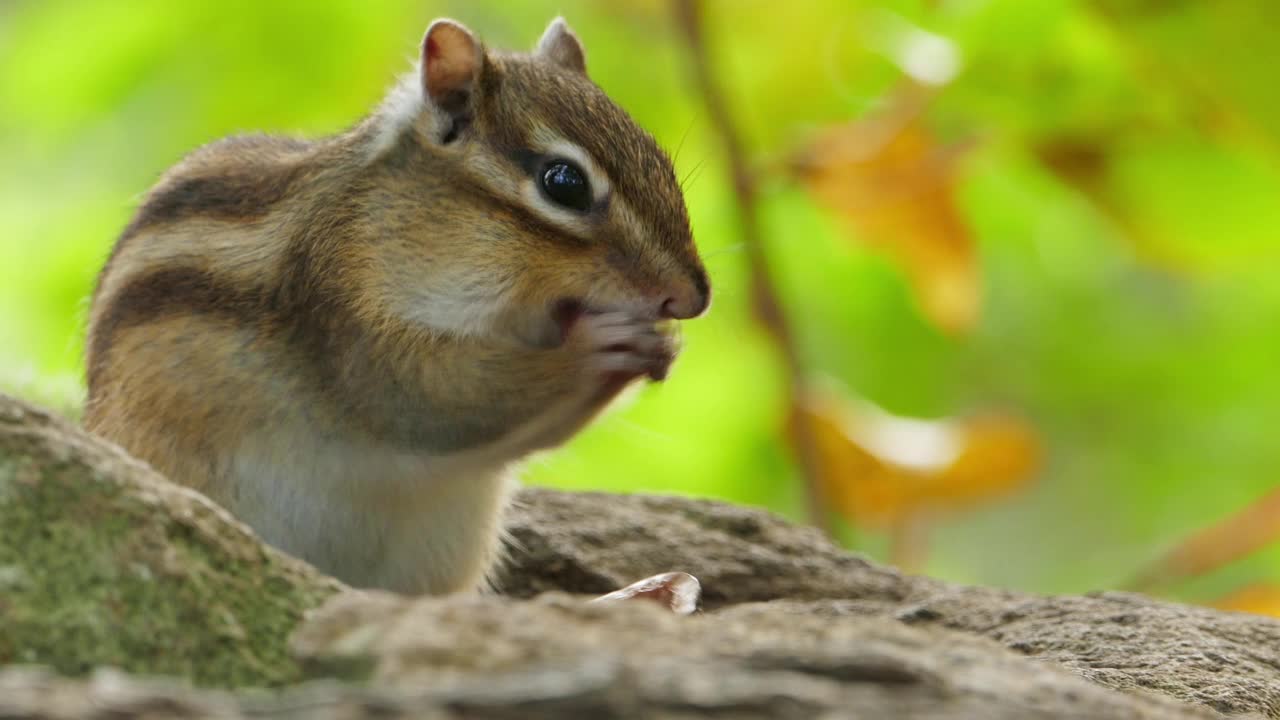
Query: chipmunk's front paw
604,353
620,348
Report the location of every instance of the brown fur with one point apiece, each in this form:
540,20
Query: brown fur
398,301
263,175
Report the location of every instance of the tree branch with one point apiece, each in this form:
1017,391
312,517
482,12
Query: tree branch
764,296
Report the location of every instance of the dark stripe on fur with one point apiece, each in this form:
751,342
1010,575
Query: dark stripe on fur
163,294
230,196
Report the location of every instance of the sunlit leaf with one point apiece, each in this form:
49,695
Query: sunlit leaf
880,470
894,183
926,57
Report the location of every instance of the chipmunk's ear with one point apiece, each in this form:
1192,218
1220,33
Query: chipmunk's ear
451,62
560,46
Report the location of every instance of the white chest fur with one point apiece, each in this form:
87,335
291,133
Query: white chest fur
370,516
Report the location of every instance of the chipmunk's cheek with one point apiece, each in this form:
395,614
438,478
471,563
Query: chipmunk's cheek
533,327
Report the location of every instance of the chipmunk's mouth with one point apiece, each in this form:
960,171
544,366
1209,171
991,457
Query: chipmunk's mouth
565,313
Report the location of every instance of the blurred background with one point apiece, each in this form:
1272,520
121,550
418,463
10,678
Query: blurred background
1004,306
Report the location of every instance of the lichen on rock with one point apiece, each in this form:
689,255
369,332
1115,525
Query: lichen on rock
104,562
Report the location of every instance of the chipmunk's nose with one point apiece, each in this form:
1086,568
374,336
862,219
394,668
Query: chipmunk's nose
687,299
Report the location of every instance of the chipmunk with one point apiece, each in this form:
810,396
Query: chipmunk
350,343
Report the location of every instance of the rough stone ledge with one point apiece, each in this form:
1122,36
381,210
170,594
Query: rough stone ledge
591,542
558,656
104,563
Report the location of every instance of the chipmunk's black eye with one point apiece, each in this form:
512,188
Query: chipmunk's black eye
566,185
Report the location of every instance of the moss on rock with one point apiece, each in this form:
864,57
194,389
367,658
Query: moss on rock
104,562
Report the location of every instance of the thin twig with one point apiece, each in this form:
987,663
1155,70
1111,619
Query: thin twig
763,294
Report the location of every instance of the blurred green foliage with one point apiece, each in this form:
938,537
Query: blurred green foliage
1134,320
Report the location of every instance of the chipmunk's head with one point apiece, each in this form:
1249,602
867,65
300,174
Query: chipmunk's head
510,194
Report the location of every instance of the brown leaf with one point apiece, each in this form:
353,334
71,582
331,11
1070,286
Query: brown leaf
1085,163
1242,533
894,183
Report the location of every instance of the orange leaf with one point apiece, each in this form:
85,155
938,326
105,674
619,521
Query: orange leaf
841,458
881,471
999,455
895,185
1259,598
1248,530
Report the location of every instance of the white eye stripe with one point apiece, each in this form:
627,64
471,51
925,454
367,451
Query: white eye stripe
523,185
550,146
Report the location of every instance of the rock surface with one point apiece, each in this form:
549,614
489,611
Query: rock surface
587,542
593,543
560,657
103,562
557,656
